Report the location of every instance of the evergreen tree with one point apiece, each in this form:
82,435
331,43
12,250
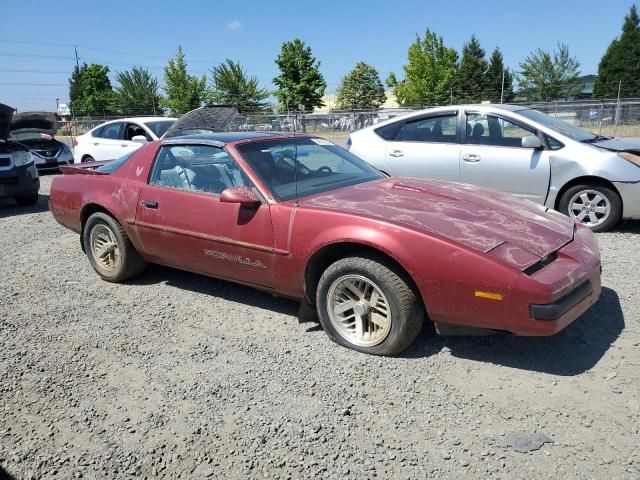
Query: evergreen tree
138,92
184,92
472,74
361,89
300,80
232,86
548,76
429,75
493,82
97,96
620,65
75,87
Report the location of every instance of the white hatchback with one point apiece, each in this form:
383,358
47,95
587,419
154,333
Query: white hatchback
116,138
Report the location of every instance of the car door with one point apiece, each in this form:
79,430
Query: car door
427,146
132,130
492,156
182,223
106,143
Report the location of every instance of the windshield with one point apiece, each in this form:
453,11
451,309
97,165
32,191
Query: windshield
159,127
304,166
560,126
114,165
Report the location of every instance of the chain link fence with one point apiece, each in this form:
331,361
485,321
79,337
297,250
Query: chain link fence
610,118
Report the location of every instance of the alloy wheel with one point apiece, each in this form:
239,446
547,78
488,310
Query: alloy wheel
359,310
590,207
104,248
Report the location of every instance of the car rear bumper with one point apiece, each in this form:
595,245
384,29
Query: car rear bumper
19,181
51,163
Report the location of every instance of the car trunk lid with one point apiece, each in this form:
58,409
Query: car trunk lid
34,122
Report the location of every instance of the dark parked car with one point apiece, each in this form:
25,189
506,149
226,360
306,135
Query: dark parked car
18,175
35,130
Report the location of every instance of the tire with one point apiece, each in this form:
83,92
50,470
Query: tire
603,206
26,200
87,158
122,261
398,312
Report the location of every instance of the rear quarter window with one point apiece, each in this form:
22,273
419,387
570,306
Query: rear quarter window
389,132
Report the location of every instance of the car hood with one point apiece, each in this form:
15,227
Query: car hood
210,118
472,216
34,122
620,144
6,112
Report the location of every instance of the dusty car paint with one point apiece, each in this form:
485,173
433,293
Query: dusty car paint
452,240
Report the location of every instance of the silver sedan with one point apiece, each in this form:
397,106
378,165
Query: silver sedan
591,178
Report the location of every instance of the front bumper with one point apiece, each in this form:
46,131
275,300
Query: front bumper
555,296
19,181
630,194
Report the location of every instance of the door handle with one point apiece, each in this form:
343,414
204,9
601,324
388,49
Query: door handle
149,204
396,153
96,144
471,157
123,144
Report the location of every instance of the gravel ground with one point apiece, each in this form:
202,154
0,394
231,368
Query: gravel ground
175,375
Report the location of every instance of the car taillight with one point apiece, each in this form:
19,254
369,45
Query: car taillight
74,142
349,143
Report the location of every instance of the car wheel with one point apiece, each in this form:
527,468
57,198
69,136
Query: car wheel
88,158
596,207
366,305
110,252
26,200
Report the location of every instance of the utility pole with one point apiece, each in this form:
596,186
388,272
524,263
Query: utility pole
75,49
502,89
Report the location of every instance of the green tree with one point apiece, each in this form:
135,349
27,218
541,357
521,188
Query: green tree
620,65
429,75
75,87
548,76
361,89
300,80
138,92
97,96
184,92
232,86
472,73
493,81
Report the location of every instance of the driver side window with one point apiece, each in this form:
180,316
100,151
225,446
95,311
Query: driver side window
196,168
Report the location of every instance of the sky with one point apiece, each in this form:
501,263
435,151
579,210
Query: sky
37,38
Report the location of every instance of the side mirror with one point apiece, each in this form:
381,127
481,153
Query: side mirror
139,139
242,195
531,142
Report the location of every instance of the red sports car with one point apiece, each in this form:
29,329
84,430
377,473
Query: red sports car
300,217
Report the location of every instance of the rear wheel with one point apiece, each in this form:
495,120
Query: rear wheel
595,206
368,306
88,158
109,249
27,200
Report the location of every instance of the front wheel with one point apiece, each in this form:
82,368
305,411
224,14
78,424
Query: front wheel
366,305
110,252
596,207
